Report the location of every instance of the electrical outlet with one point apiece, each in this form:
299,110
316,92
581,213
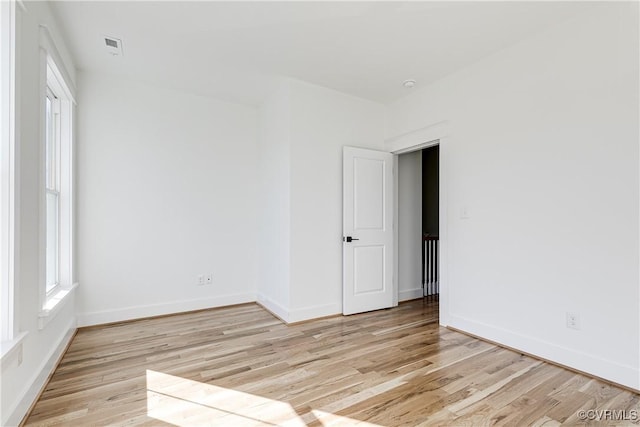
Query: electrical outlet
573,321
209,278
200,280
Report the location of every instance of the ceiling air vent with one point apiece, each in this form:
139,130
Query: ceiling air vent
113,45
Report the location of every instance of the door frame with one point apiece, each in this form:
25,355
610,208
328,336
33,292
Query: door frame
428,136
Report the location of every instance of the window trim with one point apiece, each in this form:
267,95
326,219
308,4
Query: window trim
55,79
9,337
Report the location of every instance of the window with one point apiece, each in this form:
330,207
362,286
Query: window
52,188
57,182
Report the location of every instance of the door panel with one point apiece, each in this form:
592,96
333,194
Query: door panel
368,263
368,222
368,193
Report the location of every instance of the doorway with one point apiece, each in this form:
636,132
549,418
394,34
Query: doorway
398,204
430,221
419,224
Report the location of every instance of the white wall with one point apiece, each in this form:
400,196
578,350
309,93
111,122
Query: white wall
274,202
166,191
322,122
410,226
543,151
304,128
40,348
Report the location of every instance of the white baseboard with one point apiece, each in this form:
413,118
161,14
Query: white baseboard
625,375
298,315
141,311
32,388
410,294
314,312
273,307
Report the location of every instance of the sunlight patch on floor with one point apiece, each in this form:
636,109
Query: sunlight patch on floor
184,402
328,419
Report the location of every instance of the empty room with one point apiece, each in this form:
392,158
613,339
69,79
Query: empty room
373,213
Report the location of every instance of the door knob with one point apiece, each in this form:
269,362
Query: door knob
348,239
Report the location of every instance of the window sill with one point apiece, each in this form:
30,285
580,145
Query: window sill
54,304
9,349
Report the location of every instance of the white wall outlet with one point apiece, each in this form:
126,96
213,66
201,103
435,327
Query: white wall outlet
209,278
200,280
573,321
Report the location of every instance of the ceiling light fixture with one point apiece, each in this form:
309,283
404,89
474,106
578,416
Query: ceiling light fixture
409,83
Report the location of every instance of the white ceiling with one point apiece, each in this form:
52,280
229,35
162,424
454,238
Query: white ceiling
236,50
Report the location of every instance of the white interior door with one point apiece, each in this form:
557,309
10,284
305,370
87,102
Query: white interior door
367,230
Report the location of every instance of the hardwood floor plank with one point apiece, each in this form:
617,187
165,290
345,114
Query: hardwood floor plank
240,366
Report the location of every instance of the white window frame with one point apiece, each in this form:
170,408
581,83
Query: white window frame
10,336
8,175
53,141
56,84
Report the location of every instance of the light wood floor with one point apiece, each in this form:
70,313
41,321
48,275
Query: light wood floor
241,366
